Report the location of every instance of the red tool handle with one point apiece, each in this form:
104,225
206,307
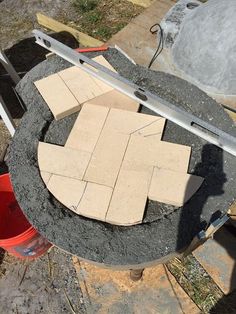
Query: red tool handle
92,49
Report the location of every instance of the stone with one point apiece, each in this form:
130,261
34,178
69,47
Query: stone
107,158
45,176
173,188
87,128
130,195
127,122
115,99
95,201
67,190
57,95
149,151
63,161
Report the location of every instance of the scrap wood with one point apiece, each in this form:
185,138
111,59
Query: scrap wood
50,23
147,3
232,211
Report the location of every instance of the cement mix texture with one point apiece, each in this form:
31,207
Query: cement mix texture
165,229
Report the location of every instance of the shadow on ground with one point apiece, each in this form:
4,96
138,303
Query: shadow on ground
24,55
212,158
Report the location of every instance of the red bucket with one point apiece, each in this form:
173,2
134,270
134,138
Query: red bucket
17,236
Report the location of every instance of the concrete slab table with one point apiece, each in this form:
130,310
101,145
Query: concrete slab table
165,229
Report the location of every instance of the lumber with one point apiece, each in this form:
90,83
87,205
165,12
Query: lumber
147,3
142,3
50,23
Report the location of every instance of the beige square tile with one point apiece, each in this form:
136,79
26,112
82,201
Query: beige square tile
130,195
83,85
95,201
154,130
107,158
149,151
58,97
66,190
80,83
62,160
104,87
173,188
87,128
45,176
115,99
127,122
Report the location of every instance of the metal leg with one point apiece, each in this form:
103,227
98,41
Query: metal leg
136,274
9,67
7,119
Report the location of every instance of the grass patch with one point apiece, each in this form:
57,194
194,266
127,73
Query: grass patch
85,5
199,285
102,19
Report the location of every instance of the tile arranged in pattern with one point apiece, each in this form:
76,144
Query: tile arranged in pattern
63,161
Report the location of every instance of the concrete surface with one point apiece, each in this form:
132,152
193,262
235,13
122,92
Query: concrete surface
218,256
166,229
205,46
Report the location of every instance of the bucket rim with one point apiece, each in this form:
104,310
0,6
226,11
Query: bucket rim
26,235
7,177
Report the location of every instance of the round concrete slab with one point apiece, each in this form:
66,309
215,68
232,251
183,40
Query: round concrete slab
165,229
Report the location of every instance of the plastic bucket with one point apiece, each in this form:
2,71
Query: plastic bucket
17,236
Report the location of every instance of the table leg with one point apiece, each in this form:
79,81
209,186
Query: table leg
136,274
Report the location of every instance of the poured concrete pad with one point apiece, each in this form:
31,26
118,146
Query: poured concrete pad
166,229
218,257
107,291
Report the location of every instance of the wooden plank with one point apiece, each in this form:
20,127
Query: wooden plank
217,256
135,39
147,3
50,23
231,113
142,3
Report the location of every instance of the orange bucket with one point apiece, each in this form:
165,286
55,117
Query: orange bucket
17,236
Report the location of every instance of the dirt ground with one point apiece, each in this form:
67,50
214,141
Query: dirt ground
45,285
49,285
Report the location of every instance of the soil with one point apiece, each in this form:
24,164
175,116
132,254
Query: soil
45,285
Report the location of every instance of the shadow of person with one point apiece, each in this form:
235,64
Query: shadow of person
192,215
